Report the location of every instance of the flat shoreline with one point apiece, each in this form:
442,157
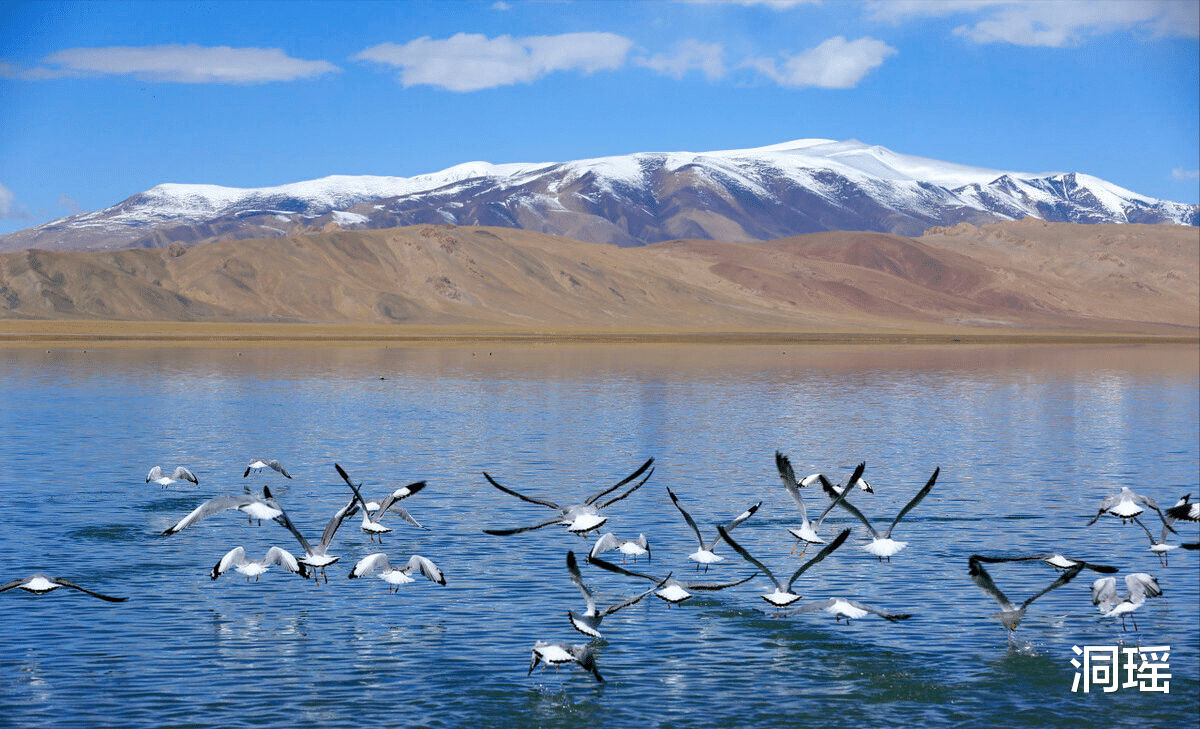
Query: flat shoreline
40,333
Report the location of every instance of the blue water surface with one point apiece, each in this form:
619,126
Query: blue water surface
1029,440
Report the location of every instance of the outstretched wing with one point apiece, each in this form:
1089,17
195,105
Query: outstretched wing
915,500
746,555
828,549
606,565
1063,579
336,521
981,577
686,517
235,557
182,474
594,497
522,497
788,476
427,568
615,499
841,499
577,578
714,586
370,563
635,599
73,586
518,530
208,508
401,493
828,488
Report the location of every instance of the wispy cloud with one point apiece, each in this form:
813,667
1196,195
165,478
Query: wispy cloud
835,64
1183,175
10,209
470,62
176,64
689,55
1059,23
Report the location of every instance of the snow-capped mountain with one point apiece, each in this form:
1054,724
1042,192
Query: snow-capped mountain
770,192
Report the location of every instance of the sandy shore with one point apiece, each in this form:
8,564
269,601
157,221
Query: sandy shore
38,333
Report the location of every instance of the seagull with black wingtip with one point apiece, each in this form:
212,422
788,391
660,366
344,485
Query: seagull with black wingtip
882,545
578,518
1010,614
807,533
370,522
40,584
589,622
669,589
783,595
705,555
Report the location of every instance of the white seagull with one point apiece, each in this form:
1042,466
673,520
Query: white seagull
1158,544
557,654
179,474
259,464
236,559
807,533
374,511
396,577
589,622
578,518
1138,587
252,506
841,608
627,547
1010,615
705,555
669,589
882,545
1125,505
317,556
783,595
1054,559
40,584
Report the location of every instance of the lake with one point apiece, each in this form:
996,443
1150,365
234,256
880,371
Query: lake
1029,440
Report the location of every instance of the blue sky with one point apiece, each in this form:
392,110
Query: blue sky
99,101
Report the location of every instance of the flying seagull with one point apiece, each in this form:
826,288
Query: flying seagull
705,555
589,622
882,545
1054,559
841,608
179,474
783,595
317,556
1158,544
40,584
807,533
669,589
578,518
252,506
378,562
1138,587
259,464
1010,615
236,559
1125,505
627,547
557,654
371,517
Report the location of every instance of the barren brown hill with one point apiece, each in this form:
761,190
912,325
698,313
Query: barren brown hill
1007,277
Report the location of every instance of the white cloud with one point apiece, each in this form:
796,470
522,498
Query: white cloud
10,209
773,4
180,64
1060,23
1183,175
470,62
708,58
501,5
835,64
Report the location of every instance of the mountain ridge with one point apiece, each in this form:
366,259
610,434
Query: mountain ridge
762,193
